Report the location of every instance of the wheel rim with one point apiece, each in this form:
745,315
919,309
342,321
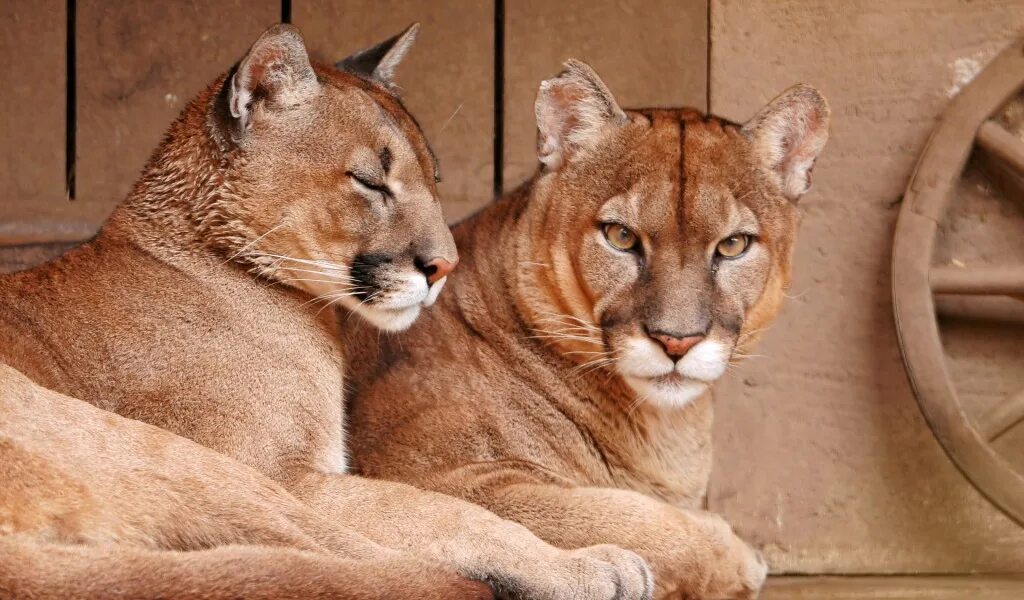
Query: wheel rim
915,279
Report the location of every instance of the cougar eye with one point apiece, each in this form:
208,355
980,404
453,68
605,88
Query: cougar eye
374,185
733,246
620,237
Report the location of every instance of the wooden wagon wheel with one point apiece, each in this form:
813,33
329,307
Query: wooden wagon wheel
966,121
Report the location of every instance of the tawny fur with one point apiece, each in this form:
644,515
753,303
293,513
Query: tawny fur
94,505
509,393
203,308
41,571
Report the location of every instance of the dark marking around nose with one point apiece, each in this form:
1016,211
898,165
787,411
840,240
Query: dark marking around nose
364,272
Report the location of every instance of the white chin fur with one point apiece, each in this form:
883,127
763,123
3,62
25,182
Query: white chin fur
646,367
669,394
400,307
389,319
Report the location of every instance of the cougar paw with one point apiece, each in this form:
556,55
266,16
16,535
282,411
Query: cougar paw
736,570
627,574
594,573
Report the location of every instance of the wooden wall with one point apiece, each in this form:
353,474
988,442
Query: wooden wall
651,53
822,457
33,201
136,63
822,454
448,77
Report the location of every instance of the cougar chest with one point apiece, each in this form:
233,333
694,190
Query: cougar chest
668,455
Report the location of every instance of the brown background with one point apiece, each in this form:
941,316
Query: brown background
822,456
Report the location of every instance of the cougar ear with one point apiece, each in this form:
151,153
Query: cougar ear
788,135
574,110
378,63
275,73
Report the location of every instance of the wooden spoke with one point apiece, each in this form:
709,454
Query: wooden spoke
997,141
1002,417
997,309
992,281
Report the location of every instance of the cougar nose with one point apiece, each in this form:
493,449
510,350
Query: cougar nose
677,347
436,269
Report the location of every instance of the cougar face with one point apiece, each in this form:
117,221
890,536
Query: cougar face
336,181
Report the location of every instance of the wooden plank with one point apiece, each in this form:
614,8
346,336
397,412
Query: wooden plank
650,54
822,457
447,78
137,64
32,120
17,258
975,587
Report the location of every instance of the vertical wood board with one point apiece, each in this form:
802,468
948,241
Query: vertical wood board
447,79
33,203
649,53
138,63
